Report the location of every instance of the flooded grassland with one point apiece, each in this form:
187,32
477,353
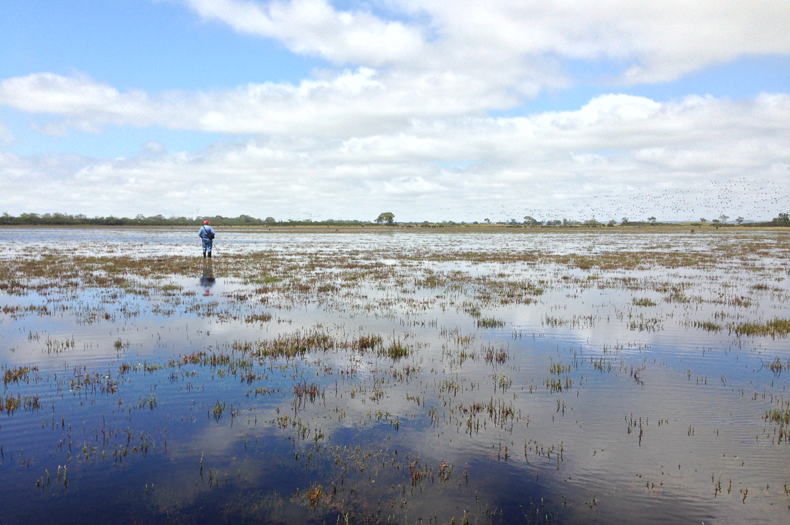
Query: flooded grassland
394,378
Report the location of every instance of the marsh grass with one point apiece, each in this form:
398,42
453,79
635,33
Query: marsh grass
327,395
775,328
490,322
708,326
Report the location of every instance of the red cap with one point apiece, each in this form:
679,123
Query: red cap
205,222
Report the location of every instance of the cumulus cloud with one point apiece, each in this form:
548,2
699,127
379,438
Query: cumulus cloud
616,156
50,93
314,27
349,103
446,59
402,122
662,40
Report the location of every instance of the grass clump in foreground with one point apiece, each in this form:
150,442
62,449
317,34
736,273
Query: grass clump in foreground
781,417
395,350
375,344
708,326
775,328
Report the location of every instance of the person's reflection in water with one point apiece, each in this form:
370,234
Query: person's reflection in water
207,280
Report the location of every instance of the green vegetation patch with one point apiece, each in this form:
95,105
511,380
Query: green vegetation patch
708,326
781,417
490,322
775,328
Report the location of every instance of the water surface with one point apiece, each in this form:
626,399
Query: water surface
409,378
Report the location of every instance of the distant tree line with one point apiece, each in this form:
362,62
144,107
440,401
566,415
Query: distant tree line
386,218
63,219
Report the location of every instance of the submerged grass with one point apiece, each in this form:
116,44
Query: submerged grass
490,322
363,409
644,301
774,328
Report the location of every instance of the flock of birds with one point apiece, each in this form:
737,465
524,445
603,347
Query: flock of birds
753,199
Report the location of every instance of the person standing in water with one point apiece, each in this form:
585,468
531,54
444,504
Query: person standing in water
207,234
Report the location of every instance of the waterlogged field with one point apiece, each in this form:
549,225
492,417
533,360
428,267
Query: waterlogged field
394,378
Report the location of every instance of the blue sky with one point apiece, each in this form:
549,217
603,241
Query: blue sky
432,110
139,44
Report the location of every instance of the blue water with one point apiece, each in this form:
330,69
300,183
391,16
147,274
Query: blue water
656,417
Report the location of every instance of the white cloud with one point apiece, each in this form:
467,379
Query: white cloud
50,93
662,40
314,27
474,60
696,157
348,103
387,133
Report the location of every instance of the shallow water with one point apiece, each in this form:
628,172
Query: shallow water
560,377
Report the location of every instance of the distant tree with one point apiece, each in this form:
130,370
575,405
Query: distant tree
723,218
715,221
625,221
386,217
783,219
739,220
530,220
703,220
651,220
269,220
611,223
487,221
247,219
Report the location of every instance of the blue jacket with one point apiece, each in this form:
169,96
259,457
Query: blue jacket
204,230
